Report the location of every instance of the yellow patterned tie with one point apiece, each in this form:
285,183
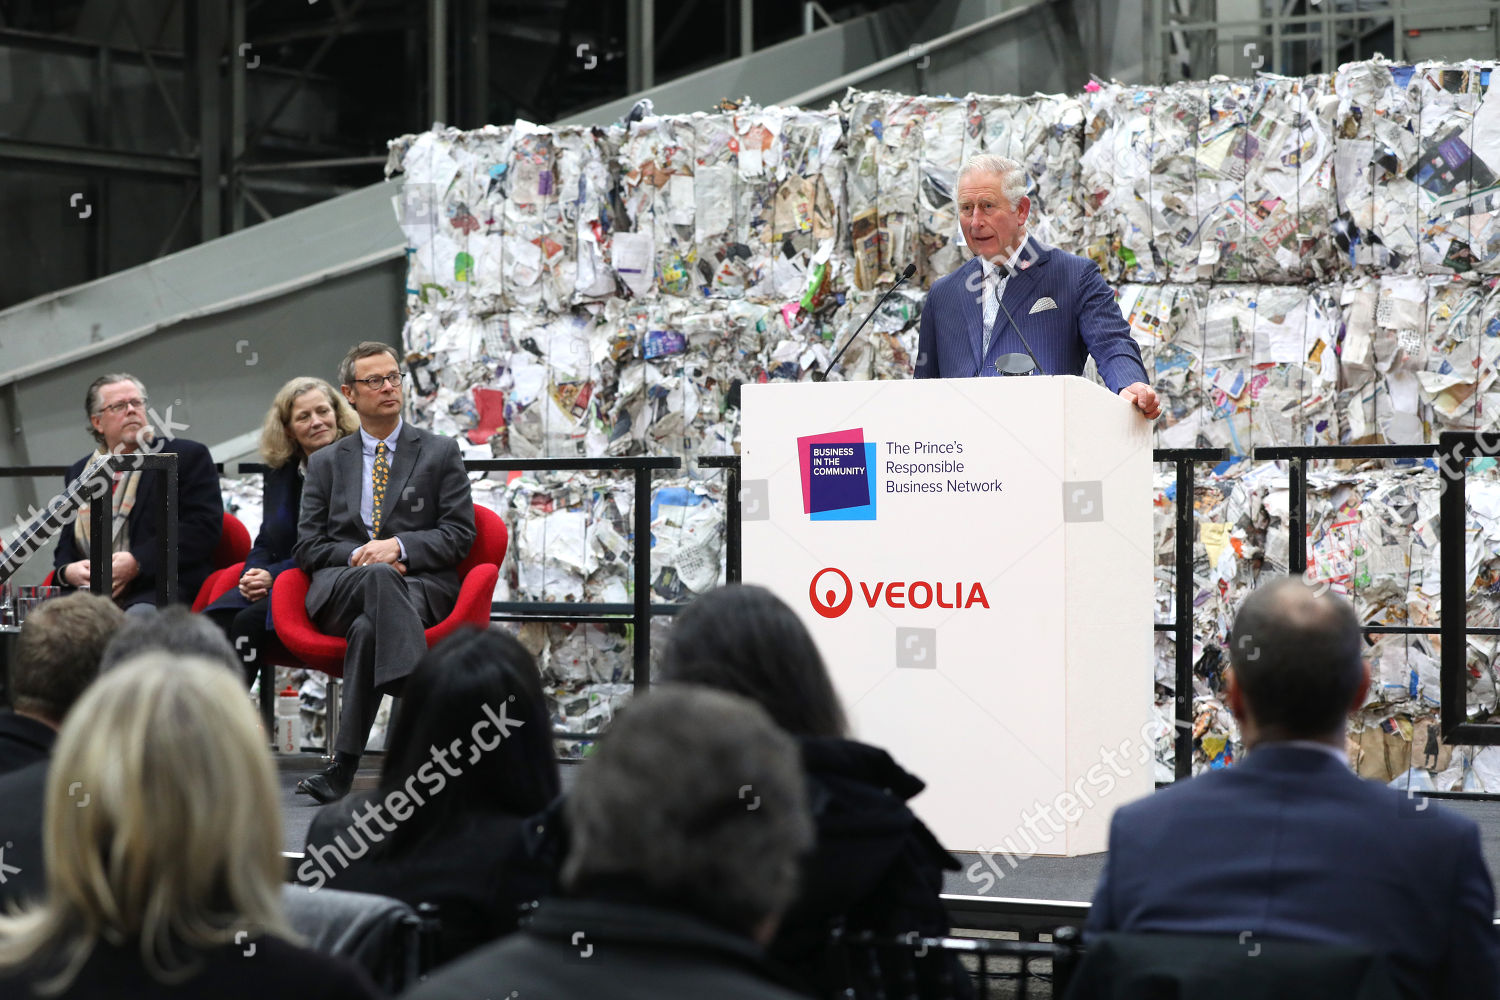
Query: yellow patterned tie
379,475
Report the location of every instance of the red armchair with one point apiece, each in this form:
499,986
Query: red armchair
477,575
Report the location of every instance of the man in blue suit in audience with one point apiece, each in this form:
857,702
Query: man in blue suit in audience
1061,302
1290,843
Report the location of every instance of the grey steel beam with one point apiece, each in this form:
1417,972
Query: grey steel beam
437,59
205,24
156,77
747,27
61,45
311,189
336,161
77,158
640,45
240,55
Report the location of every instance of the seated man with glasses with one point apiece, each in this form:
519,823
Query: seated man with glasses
386,518
116,406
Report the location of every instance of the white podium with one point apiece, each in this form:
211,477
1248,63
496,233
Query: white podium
974,559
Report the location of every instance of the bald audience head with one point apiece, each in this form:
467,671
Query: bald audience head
1296,662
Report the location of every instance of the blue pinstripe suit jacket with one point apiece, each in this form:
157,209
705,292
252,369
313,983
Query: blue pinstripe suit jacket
1085,320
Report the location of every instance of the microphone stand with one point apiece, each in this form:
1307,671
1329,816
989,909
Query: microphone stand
823,376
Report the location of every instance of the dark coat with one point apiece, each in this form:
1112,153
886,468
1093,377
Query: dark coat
578,949
254,970
875,865
200,521
23,792
463,869
1289,843
23,740
272,551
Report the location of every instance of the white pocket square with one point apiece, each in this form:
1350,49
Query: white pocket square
1042,305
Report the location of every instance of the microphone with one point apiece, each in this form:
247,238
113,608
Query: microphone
1036,365
911,269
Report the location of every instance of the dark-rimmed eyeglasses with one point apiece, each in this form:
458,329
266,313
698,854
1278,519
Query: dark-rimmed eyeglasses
376,381
138,403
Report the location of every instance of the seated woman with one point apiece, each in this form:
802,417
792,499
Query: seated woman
471,756
306,415
875,865
163,852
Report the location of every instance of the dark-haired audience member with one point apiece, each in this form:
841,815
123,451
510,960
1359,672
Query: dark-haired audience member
875,865
159,882
1301,848
305,415
174,630
471,756
57,656
676,876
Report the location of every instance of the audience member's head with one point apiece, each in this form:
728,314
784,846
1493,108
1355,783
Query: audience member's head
162,823
174,630
460,696
306,414
694,801
1296,670
744,639
58,653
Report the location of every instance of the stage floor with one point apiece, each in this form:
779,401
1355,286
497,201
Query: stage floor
1039,878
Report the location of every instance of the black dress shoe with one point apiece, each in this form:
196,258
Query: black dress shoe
328,785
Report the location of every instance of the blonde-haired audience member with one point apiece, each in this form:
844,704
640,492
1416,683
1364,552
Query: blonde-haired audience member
162,851
306,415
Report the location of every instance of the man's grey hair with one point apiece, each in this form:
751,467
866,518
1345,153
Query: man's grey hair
1011,172
698,799
91,397
174,630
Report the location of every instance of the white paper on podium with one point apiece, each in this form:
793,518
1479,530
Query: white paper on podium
988,618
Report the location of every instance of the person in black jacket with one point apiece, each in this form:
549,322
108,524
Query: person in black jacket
875,865
159,882
305,415
121,425
687,826
57,656
471,756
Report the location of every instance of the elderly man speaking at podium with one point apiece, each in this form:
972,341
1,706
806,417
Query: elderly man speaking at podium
1021,297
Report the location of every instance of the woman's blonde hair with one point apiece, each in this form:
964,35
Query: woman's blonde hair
162,825
277,446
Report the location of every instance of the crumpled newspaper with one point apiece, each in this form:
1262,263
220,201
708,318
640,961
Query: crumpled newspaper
1302,261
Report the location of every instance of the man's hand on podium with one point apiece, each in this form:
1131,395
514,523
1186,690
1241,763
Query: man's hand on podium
1143,398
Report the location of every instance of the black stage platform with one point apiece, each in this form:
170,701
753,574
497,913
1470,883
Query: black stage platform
1037,894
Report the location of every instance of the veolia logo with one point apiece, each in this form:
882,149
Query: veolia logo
832,605
829,603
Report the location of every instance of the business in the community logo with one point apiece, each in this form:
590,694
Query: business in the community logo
838,476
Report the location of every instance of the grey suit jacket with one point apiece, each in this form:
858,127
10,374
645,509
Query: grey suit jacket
428,504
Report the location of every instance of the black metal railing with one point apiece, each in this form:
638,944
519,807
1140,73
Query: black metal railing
100,517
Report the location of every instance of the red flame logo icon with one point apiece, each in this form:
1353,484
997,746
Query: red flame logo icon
829,604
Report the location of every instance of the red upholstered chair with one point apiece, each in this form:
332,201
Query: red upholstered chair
477,576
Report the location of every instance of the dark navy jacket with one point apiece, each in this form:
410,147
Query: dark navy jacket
1064,308
1289,843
